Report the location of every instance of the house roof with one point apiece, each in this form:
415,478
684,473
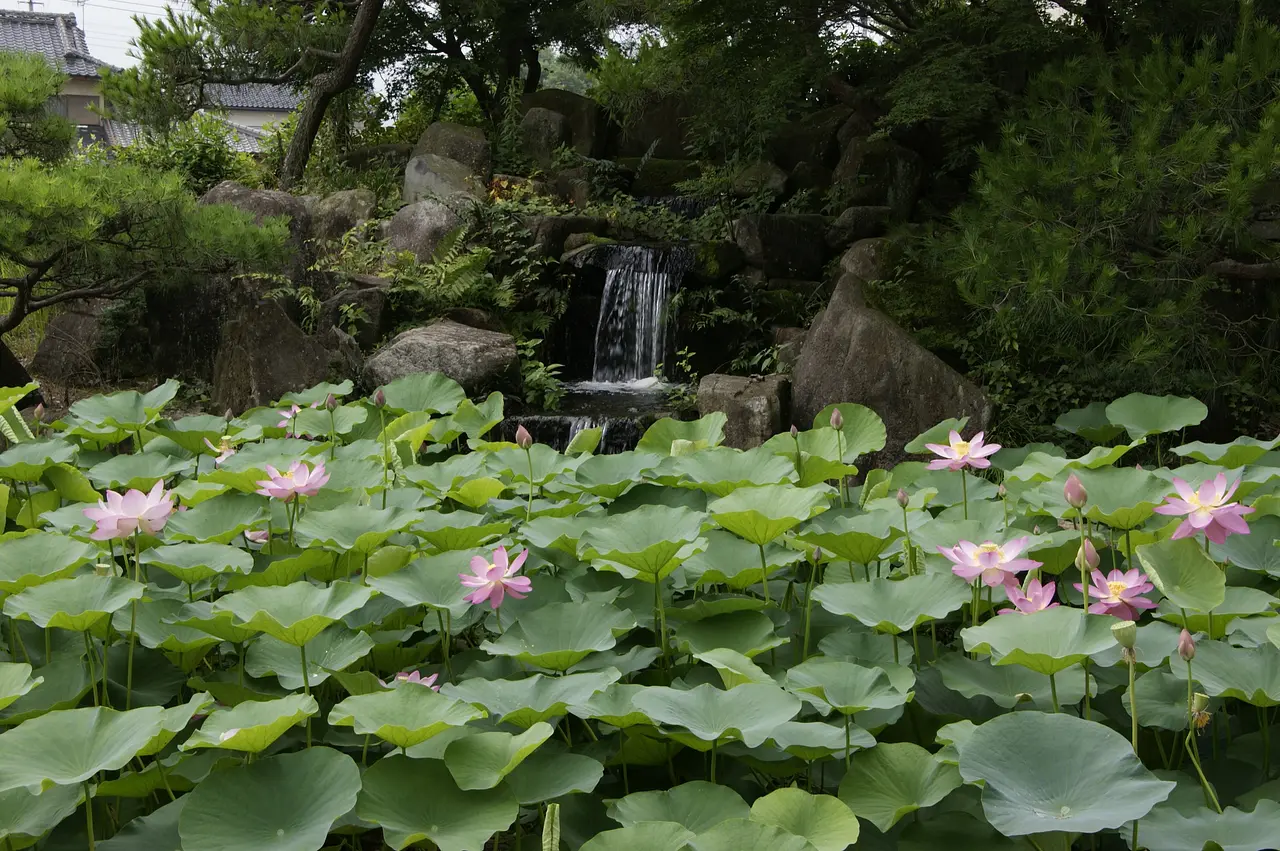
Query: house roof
54,36
252,96
120,134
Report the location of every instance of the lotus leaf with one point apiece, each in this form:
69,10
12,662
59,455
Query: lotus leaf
559,635
891,781
895,605
1046,642
747,713
404,716
252,726
293,613
68,747
698,806
78,604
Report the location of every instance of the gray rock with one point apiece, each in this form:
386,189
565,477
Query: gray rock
657,129
458,142
264,355
14,374
878,172
574,241
805,289
857,223
574,185
478,360
759,178
361,310
70,352
334,215
434,176
812,139
788,342
269,203
657,178
868,259
588,122
854,353
473,317
784,245
419,227
551,233
756,407
542,133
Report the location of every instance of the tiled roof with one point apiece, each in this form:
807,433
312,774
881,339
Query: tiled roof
119,134
54,36
252,96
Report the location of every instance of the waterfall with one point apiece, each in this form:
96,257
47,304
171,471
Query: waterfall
631,334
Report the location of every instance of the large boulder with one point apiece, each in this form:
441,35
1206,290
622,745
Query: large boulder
14,374
588,122
551,232
334,215
878,172
360,309
657,129
458,142
434,176
784,245
759,178
756,407
264,204
264,355
419,227
543,132
854,353
857,223
71,350
812,139
656,177
478,360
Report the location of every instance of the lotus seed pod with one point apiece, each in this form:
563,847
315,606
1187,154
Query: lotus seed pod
1125,632
1199,702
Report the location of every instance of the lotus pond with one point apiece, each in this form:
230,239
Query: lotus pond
355,624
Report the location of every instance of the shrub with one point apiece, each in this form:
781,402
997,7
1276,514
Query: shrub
199,150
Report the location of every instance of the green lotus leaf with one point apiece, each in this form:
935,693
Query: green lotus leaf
1232,830
28,461
1255,551
71,484
30,558
1237,453
891,781
826,822
813,740
650,835
710,605
844,686
139,471
1248,674
1120,497
127,409
483,760
11,396
316,422
1162,700
458,530
294,613
1046,642
704,433
747,632
1183,573
895,605
1044,466
559,533
615,706
729,560
1142,415
66,681
218,520
866,647
282,566
863,431
252,726
1006,685
1055,772
747,713
722,470
559,635
858,538
431,581
157,831
283,803
527,701
201,616
1238,602
936,434
174,720
761,514
405,716
334,649
545,775
736,834
191,432
25,815
1090,422
413,800
197,562
472,420
78,604
513,462
185,645
646,543
698,806
734,668
361,528
15,681
431,392
610,476
70,746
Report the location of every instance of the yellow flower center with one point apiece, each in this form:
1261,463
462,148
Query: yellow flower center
961,448
287,475
1116,588
989,548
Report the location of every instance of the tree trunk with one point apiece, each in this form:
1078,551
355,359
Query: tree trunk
324,88
533,78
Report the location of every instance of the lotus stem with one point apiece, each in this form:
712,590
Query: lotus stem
714,742
894,640
844,480
915,646
1264,726
164,778
1133,703
1190,745
1084,707
18,644
964,492
88,814
764,574
306,686
808,610
444,642
528,512
386,453
799,460
93,675
1084,567
48,645
847,740
333,437
1053,693
31,508
661,621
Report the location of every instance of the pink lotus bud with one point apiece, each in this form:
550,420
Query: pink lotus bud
39,412
379,398
330,403
903,499
228,416
1186,646
1074,492
795,432
1002,491
1035,530
523,439
817,554
1087,556
837,419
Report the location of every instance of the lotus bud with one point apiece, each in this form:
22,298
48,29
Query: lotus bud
379,398
1023,697
1074,492
1199,702
1087,556
330,403
903,499
39,412
1035,530
523,439
837,419
1002,491
228,416
1126,633
817,554
795,432
1186,646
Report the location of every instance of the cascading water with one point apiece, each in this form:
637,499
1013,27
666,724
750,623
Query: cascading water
631,334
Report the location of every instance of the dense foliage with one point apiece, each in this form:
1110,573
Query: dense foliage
323,621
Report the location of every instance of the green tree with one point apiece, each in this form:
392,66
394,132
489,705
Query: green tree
76,227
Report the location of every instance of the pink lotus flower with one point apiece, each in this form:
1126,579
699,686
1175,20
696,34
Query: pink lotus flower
298,480
493,581
1036,599
414,677
223,450
1118,593
958,454
996,564
1207,510
287,416
120,516
259,536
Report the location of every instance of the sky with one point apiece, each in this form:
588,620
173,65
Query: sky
108,24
